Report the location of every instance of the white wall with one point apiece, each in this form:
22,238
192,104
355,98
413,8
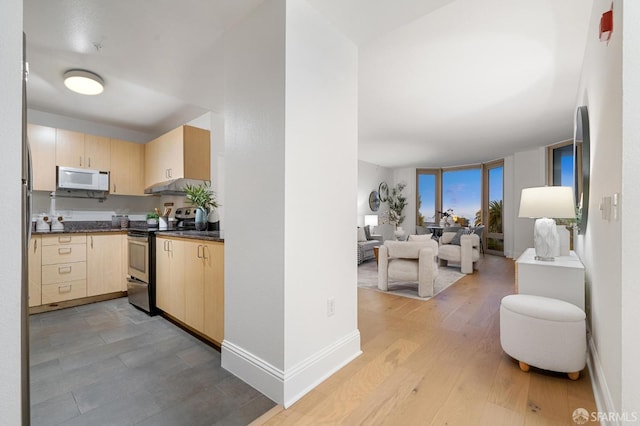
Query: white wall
369,178
254,179
321,160
69,123
630,208
407,176
215,124
10,188
600,248
525,169
278,336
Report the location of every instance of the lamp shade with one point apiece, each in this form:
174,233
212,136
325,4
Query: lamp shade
371,220
547,201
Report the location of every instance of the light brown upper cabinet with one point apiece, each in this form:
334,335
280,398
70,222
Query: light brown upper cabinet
42,140
75,149
127,168
182,153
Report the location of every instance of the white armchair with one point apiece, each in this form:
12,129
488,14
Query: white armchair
409,261
466,253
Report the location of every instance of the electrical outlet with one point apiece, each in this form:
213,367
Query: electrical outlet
331,306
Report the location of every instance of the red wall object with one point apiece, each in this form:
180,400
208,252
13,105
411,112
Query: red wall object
606,25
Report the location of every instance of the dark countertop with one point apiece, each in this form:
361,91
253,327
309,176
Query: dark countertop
194,235
79,231
80,227
83,227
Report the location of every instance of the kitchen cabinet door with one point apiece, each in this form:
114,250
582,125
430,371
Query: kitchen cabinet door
75,149
105,271
97,152
35,271
214,291
170,289
127,168
163,260
194,284
181,153
125,260
162,157
69,148
42,140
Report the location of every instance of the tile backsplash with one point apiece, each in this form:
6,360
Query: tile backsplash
86,209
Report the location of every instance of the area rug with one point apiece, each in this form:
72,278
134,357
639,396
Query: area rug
368,279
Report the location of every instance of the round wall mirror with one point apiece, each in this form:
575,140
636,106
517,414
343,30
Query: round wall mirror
581,150
374,201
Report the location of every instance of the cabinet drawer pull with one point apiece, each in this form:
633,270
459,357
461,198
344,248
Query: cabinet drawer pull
64,250
64,239
64,269
64,288
89,165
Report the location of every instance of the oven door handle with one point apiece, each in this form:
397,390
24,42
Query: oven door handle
138,239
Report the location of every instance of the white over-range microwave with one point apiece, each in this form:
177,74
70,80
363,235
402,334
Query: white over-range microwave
84,179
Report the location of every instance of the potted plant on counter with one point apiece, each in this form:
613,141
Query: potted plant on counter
204,199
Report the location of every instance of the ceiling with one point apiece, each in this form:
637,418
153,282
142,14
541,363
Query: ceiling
441,82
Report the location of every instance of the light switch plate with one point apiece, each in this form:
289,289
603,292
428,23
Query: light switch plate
605,207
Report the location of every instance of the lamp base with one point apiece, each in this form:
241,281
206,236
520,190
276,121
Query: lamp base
546,240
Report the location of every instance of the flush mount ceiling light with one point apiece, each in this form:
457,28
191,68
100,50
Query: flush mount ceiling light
83,82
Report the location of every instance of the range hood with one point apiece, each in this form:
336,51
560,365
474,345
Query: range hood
173,187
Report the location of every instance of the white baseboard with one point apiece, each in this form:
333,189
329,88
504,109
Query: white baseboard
601,393
286,387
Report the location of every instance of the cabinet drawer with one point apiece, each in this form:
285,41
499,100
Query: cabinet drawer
50,240
64,291
62,272
64,254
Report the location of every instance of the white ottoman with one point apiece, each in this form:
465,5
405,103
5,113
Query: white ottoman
546,333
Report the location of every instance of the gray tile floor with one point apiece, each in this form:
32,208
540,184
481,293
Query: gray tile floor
108,363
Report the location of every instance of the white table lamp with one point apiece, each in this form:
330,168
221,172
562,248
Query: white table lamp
544,203
371,220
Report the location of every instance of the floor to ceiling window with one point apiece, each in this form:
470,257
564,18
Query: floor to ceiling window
492,207
428,202
473,194
560,164
461,193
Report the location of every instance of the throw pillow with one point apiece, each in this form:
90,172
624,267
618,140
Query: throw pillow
367,232
361,235
459,234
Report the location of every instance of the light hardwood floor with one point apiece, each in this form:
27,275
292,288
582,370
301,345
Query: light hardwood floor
439,362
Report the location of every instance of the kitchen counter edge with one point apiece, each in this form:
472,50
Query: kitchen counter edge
194,235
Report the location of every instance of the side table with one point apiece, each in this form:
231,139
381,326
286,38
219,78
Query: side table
561,279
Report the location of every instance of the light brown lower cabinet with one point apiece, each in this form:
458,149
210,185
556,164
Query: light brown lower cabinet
105,271
194,292
35,271
170,276
214,292
64,267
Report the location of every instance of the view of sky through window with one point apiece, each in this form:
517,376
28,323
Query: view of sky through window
461,191
427,188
